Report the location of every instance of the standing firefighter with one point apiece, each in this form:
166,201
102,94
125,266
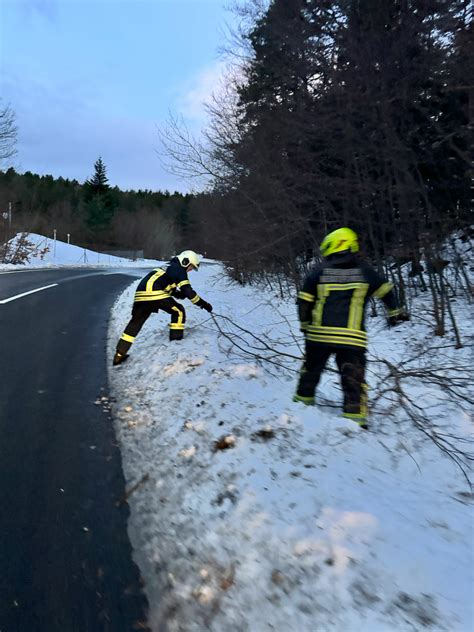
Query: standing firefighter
158,290
331,309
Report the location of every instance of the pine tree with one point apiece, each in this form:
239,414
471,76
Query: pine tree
285,153
351,112
99,182
100,204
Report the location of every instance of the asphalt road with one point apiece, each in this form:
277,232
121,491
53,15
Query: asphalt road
65,557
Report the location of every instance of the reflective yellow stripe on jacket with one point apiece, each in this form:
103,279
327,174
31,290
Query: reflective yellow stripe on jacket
337,335
149,294
352,334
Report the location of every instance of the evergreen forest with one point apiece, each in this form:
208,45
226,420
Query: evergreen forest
95,214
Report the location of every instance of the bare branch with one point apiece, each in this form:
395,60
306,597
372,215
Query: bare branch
8,133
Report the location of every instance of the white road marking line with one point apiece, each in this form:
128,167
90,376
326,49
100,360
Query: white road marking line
27,270
38,289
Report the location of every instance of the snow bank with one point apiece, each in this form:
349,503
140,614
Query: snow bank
257,513
46,253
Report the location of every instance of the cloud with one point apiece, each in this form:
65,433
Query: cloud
63,131
199,91
47,9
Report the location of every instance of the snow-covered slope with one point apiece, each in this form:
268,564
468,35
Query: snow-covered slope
305,522
47,252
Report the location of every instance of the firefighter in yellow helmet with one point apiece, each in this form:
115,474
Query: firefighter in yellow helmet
158,290
331,309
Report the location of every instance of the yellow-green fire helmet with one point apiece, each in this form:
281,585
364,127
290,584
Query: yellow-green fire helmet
339,240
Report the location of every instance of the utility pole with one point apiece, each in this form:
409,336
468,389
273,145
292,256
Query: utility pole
9,214
54,249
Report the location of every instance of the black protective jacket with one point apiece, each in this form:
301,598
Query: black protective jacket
162,283
332,303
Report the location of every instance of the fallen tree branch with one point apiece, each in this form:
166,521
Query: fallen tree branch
131,490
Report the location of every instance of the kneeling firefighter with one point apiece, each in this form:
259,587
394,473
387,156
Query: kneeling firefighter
331,309
158,290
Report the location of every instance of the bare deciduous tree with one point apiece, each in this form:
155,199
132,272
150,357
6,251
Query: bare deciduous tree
340,113
8,133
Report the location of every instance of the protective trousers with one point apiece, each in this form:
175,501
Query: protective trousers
140,313
351,364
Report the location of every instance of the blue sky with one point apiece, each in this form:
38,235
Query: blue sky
96,77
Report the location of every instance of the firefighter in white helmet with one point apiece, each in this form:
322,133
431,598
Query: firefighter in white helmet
158,290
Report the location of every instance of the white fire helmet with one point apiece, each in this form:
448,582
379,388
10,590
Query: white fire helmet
189,257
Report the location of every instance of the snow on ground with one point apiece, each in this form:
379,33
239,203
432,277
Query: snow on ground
46,252
305,522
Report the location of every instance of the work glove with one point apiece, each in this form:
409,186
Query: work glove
205,305
403,316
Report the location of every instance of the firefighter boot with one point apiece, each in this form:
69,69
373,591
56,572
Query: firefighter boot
119,358
176,334
360,419
308,401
